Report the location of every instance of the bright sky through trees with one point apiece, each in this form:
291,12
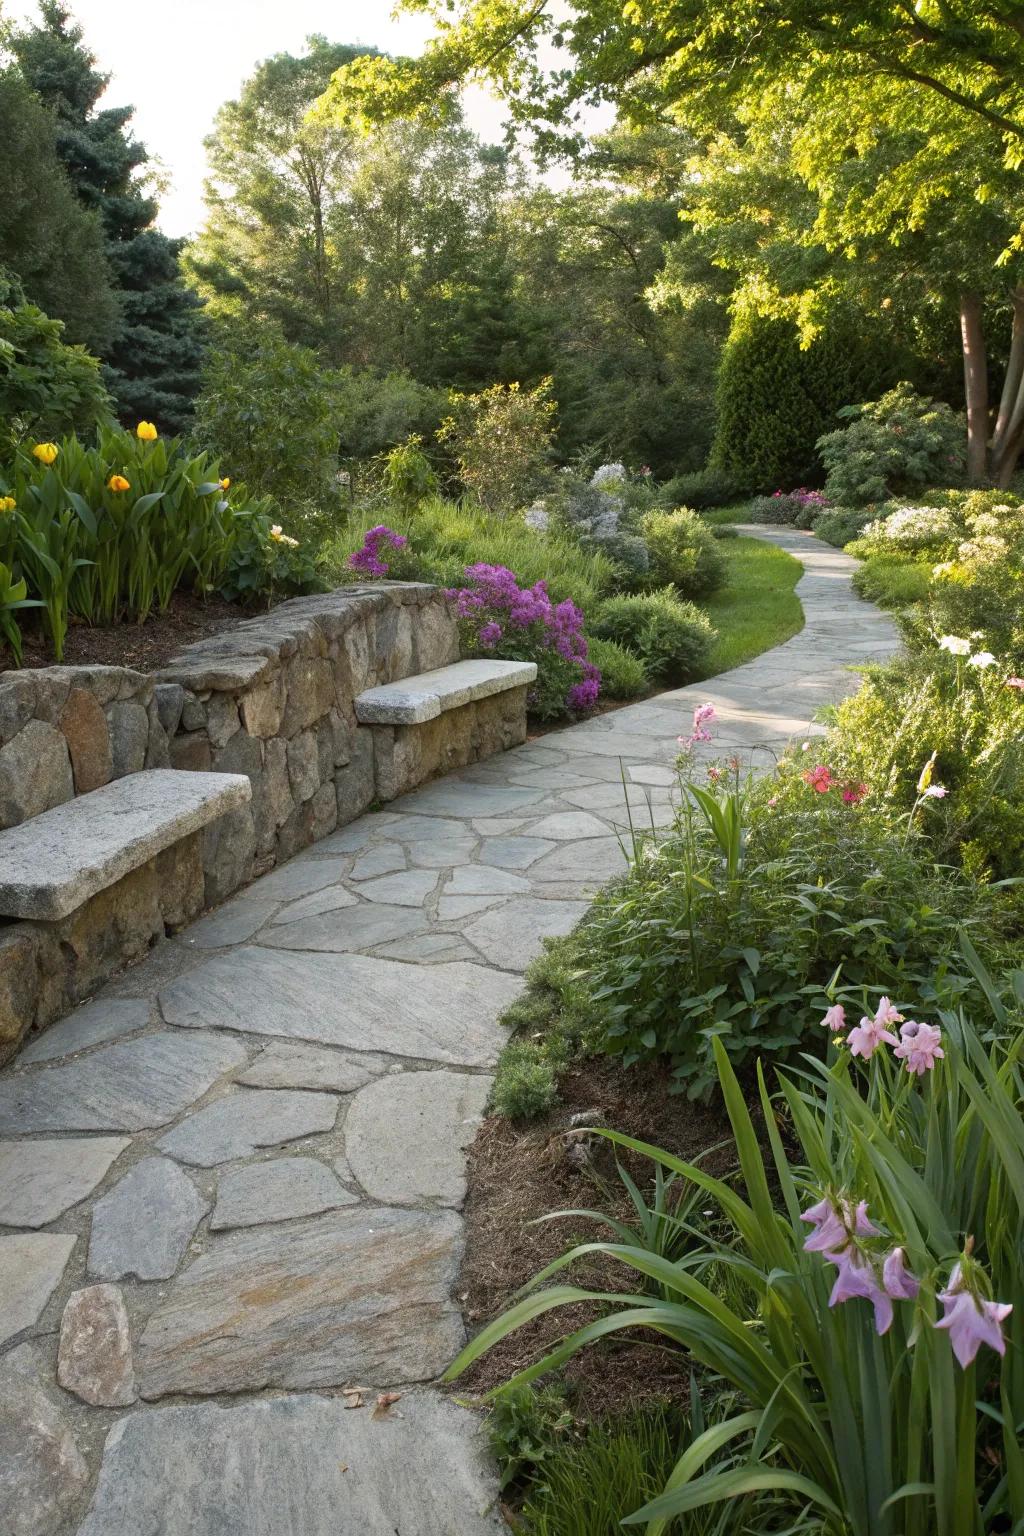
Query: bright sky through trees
176,76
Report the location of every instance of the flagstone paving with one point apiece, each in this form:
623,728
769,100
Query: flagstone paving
234,1179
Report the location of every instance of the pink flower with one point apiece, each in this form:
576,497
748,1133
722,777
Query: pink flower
835,1018
934,792
819,778
897,1279
868,1036
853,794
836,1224
919,1046
703,714
885,1013
971,1321
857,1277
1015,682
490,634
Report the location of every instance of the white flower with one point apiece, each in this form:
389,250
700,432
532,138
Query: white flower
954,645
983,659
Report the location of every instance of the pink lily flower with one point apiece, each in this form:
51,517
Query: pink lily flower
886,1013
919,1046
897,1279
836,1224
857,1277
835,1018
868,1036
971,1321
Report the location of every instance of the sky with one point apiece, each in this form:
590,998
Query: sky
177,68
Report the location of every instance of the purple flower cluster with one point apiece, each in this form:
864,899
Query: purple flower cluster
367,561
498,608
804,497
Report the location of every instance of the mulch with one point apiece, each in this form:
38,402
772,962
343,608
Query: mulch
143,647
518,1174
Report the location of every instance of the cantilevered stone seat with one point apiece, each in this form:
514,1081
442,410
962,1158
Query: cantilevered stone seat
53,863
417,699
438,721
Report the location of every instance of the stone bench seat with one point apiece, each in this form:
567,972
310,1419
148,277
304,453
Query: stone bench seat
53,863
414,700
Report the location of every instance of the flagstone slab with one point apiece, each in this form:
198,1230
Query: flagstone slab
410,888
94,1357
144,1225
129,1086
453,908
350,929
31,1266
279,1190
296,1466
446,1013
290,1064
247,1119
40,1180
484,880
331,899
431,1118
384,859
43,1474
233,923
513,852
429,948
511,935
455,797
596,860
94,1024
569,827
351,1296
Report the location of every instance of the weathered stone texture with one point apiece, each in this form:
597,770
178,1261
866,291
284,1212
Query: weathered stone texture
94,1357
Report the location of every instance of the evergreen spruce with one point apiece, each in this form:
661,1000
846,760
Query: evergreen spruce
153,360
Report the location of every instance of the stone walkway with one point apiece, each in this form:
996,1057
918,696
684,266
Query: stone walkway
229,1187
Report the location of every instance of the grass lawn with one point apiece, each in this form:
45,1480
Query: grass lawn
757,608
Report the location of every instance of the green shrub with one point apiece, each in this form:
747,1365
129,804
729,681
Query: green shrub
724,531
672,639
524,1085
928,703
682,552
735,934
622,671
892,583
501,440
700,488
838,525
408,476
775,398
46,387
897,445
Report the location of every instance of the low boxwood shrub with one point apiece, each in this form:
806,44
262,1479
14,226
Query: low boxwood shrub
622,672
892,583
525,1084
672,639
699,488
682,552
838,525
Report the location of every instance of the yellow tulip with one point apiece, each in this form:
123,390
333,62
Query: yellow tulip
225,484
146,432
118,483
46,452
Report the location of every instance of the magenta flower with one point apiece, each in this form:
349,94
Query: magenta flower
970,1320
898,1281
819,778
490,634
920,1046
857,1277
704,714
853,794
368,560
835,1018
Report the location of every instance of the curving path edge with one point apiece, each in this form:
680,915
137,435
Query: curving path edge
230,1186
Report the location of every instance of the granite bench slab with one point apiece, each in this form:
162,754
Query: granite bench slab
424,697
52,863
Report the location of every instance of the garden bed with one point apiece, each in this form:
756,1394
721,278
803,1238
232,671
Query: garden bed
519,1173
142,647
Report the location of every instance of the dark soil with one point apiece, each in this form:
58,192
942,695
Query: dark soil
520,1173
144,647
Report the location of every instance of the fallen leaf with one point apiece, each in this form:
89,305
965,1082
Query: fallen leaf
385,1402
353,1397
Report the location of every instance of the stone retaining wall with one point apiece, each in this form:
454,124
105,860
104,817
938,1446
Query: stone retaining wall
272,697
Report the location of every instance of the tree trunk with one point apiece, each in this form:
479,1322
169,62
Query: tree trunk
1008,436
975,387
